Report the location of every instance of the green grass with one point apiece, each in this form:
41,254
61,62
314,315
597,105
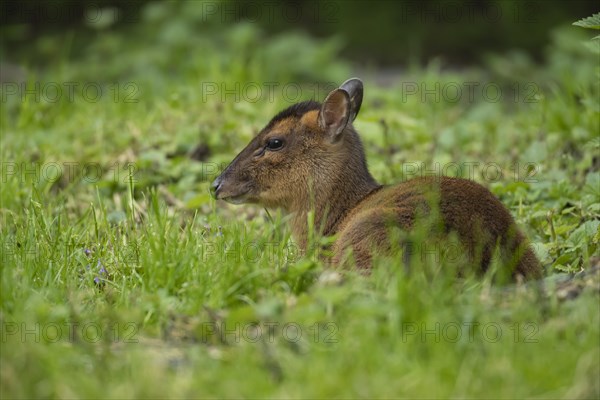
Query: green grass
205,299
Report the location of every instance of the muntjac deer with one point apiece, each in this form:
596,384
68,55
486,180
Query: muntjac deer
310,157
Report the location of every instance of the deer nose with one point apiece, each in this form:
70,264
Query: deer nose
215,186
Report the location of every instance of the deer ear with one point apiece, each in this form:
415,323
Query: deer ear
354,87
334,114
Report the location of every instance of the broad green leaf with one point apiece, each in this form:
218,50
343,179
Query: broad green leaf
584,233
592,22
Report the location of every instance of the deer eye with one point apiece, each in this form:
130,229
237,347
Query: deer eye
274,144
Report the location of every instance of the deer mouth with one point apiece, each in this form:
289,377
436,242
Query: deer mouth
236,199
235,194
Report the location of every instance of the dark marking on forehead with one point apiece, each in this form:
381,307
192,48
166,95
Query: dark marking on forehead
295,111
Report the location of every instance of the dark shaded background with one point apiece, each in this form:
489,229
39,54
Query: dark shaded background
376,32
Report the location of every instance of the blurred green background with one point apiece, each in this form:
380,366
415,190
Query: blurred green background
377,32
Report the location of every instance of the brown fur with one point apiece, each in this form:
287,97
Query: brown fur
322,167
